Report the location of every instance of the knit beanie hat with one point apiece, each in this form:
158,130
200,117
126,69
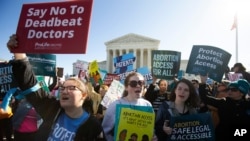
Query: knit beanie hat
240,84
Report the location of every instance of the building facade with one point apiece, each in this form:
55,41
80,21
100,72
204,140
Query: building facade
139,45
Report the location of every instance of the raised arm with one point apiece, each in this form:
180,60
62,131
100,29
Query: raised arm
13,43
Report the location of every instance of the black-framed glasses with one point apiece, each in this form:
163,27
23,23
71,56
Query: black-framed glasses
134,83
70,88
233,89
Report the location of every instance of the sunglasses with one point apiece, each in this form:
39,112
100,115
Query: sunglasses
233,89
134,83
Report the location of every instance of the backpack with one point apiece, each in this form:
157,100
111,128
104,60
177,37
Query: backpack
25,118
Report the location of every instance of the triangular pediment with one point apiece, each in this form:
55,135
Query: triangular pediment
132,38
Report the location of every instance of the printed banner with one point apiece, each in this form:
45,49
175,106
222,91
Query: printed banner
124,63
192,127
209,60
134,122
43,64
7,80
56,27
165,64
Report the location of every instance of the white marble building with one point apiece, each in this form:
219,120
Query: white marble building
140,45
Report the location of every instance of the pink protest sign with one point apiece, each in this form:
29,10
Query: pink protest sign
60,27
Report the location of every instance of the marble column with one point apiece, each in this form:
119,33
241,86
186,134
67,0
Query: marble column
114,55
135,53
127,51
141,57
120,52
108,60
149,58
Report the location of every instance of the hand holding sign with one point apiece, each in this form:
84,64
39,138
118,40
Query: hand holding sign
12,43
166,128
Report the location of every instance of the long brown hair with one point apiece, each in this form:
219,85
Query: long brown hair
193,98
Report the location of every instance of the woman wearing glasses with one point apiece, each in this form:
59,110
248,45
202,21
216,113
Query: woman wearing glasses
233,110
64,119
132,95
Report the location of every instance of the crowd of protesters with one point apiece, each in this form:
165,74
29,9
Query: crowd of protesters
79,115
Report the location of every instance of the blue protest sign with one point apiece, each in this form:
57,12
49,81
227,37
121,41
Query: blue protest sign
209,60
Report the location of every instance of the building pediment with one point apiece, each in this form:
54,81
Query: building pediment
132,38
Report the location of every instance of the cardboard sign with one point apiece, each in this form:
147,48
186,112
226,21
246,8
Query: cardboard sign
60,27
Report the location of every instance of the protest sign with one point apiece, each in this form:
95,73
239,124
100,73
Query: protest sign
124,63
134,120
165,64
209,60
56,27
114,92
7,80
94,73
45,87
43,64
109,77
192,127
146,74
59,72
234,76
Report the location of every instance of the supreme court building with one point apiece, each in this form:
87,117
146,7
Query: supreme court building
139,45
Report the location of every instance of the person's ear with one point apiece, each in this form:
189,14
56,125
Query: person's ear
84,95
